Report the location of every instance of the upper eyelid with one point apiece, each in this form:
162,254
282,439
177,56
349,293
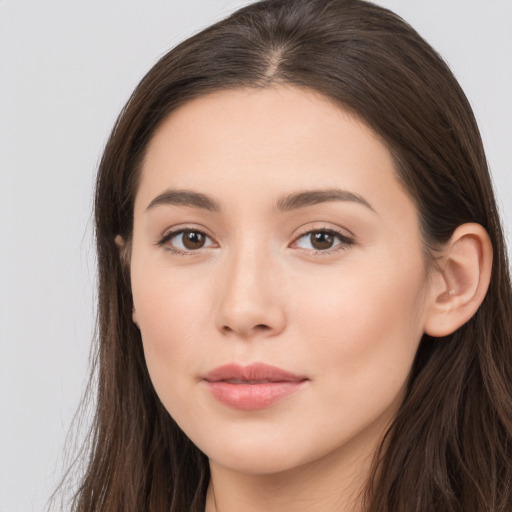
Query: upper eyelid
175,230
172,233
337,230
342,237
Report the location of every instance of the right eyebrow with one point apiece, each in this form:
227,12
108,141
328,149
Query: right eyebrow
184,198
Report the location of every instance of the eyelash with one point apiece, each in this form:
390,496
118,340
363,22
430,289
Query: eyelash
344,241
164,241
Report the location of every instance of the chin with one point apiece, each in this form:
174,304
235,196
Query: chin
259,464
255,456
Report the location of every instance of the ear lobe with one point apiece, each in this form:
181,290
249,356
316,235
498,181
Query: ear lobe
124,248
461,280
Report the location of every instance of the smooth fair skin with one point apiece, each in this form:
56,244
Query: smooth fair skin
306,254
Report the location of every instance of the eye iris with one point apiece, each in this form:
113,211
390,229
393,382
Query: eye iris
193,239
322,240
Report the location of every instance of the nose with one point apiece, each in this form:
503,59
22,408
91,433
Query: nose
249,301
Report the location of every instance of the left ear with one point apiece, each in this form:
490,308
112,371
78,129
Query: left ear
460,281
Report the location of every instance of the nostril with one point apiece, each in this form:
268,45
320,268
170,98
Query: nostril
261,327
247,331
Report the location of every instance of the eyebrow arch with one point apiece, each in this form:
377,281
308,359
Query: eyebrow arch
312,197
184,198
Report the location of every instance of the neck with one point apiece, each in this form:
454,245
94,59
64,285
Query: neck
333,483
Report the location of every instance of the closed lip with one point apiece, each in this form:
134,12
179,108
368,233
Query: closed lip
235,373
252,387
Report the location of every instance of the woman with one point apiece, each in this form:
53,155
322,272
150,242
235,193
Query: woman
304,294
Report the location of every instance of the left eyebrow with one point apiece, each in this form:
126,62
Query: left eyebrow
312,197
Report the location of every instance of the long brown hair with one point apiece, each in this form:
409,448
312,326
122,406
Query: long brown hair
450,446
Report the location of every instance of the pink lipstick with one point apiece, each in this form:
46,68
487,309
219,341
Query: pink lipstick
251,387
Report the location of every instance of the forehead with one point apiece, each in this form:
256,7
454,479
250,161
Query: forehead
245,143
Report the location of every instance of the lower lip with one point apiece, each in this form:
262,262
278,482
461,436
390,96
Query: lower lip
252,396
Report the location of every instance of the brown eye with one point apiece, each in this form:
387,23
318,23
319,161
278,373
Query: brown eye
193,239
186,241
322,240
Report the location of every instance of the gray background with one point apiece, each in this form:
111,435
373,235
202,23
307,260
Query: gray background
66,69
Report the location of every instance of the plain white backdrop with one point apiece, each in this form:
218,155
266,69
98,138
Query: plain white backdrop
66,69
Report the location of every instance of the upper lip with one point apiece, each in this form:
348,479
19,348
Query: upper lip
256,372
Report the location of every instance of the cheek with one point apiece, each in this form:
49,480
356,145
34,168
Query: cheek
364,330
171,314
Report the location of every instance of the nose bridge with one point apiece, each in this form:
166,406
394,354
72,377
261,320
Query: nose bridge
249,298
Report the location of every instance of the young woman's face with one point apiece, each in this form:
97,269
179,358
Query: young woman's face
278,278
